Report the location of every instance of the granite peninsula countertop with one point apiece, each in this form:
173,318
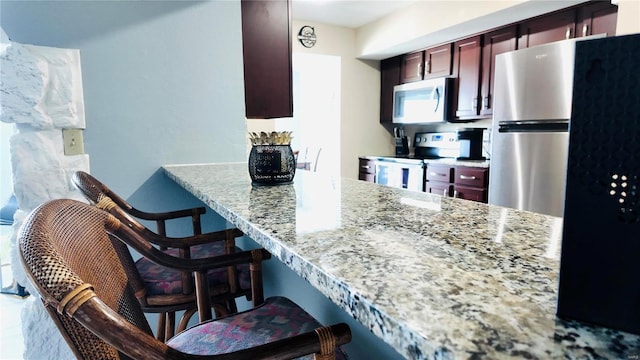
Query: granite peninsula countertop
434,277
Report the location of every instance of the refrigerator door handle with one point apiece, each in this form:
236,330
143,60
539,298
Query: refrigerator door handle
533,126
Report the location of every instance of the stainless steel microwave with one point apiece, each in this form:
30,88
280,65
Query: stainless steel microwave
421,102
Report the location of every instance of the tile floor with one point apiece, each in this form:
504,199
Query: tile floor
11,344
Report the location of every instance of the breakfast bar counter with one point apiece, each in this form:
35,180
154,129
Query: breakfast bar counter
434,277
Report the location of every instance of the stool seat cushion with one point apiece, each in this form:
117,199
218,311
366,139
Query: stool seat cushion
277,318
160,280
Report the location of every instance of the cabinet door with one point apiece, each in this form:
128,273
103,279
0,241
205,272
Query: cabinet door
389,77
412,67
266,44
467,62
548,28
495,42
597,18
437,61
439,188
469,193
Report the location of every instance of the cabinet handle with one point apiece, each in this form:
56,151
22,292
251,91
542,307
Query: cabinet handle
455,193
366,166
486,101
585,30
437,174
568,33
474,103
427,69
464,177
419,74
445,192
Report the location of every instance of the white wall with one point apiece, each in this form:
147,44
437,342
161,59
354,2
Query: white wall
360,129
428,23
163,83
628,17
6,186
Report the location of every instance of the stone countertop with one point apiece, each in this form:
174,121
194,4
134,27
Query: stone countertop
442,161
434,277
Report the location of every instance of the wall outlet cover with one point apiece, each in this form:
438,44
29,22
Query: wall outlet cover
73,142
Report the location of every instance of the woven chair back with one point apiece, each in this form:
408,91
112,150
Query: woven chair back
65,244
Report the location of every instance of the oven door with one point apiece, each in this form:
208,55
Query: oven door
405,176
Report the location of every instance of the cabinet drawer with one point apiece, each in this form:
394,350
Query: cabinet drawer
468,193
470,176
439,173
366,166
367,177
439,188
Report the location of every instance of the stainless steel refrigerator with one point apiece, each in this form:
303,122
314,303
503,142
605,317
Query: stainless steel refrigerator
529,136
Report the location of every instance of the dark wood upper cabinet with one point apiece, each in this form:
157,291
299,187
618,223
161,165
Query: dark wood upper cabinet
437,61
389,77
548,28
598,17
412,67
266,45
494,43
467,70
472,60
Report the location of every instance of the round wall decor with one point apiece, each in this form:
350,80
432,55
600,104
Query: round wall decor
307,36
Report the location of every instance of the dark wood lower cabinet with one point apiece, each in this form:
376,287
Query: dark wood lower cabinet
366,170
468,193
462,182
439,188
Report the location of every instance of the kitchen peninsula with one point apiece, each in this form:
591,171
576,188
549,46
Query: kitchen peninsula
434,277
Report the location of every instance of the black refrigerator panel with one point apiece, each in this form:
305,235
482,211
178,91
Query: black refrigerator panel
600,259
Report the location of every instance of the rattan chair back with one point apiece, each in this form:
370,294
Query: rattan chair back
68,255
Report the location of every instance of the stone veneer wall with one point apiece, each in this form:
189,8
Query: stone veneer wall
41,93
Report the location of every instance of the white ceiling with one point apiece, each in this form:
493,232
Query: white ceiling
347,13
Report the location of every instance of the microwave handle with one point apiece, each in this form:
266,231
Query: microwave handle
436,97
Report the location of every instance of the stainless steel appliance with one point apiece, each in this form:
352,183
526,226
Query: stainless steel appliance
400,172
529,141
434,145
470,143
422,102
465,144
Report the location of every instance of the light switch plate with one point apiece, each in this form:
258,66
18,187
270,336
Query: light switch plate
73,143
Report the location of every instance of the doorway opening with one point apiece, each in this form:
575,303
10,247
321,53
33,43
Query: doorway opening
316,106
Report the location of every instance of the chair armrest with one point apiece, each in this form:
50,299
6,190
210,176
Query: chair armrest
140,244
161,239
167,215
297,346
187,241
127,338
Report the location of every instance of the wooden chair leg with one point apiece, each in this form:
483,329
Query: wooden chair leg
161,325
184,320
231,305
169,329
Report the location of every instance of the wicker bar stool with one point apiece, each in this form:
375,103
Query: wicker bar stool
71,254
163,290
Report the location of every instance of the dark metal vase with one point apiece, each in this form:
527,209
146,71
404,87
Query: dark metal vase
272,164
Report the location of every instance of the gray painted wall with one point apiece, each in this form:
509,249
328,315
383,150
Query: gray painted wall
163,84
